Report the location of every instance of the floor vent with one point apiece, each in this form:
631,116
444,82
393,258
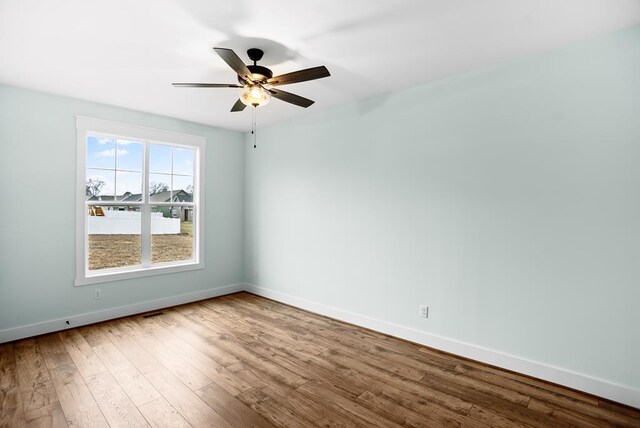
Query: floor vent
155,314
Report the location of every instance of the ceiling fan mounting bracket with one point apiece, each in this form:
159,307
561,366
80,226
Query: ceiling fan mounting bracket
255,54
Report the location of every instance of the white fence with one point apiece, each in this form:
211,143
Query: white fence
128,223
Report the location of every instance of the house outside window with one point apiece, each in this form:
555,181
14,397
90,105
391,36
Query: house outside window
139,201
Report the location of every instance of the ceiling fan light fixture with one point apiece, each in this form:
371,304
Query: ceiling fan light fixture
255,95
258,83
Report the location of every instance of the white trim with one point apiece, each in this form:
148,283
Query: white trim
86,125
600,387
138,271
145,211
112,313
199,192
127,130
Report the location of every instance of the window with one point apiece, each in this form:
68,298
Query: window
140,195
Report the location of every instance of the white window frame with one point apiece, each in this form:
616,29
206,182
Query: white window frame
86,126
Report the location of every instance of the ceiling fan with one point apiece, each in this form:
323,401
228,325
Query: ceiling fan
259,82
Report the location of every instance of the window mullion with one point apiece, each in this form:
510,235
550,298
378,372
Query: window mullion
115,172
195,217
145,236
171,179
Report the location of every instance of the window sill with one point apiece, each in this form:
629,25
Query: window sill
136,272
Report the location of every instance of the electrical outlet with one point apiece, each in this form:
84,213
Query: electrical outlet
424,311
97,294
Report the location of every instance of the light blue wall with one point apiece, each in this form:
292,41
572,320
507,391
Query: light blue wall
37,218
507,200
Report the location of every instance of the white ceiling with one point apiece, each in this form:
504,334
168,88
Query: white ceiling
127,52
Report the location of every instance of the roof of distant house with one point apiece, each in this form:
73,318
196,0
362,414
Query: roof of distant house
178,196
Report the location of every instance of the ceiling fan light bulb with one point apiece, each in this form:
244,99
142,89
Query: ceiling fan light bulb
255,96
256,92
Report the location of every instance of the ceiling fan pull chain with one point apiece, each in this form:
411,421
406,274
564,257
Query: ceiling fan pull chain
253,126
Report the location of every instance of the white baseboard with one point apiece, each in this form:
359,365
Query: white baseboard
111,313
579,381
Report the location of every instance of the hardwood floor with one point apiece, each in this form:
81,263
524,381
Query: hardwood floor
245,361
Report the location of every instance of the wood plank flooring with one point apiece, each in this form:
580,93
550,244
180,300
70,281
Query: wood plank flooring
245,361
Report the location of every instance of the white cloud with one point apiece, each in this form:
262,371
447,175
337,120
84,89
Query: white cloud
126,142
104,141
110,153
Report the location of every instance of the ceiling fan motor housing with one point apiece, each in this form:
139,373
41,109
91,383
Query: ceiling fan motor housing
259,72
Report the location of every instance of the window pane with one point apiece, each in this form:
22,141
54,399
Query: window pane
100,185
128,186
183,161
159,187
171,234
159,158
182,188
114,237
129,155
101,152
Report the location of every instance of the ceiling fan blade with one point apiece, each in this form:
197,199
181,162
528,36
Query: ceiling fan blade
238,106
300,76
206,85
234,61
291,98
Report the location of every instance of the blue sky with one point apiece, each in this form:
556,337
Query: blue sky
119,163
